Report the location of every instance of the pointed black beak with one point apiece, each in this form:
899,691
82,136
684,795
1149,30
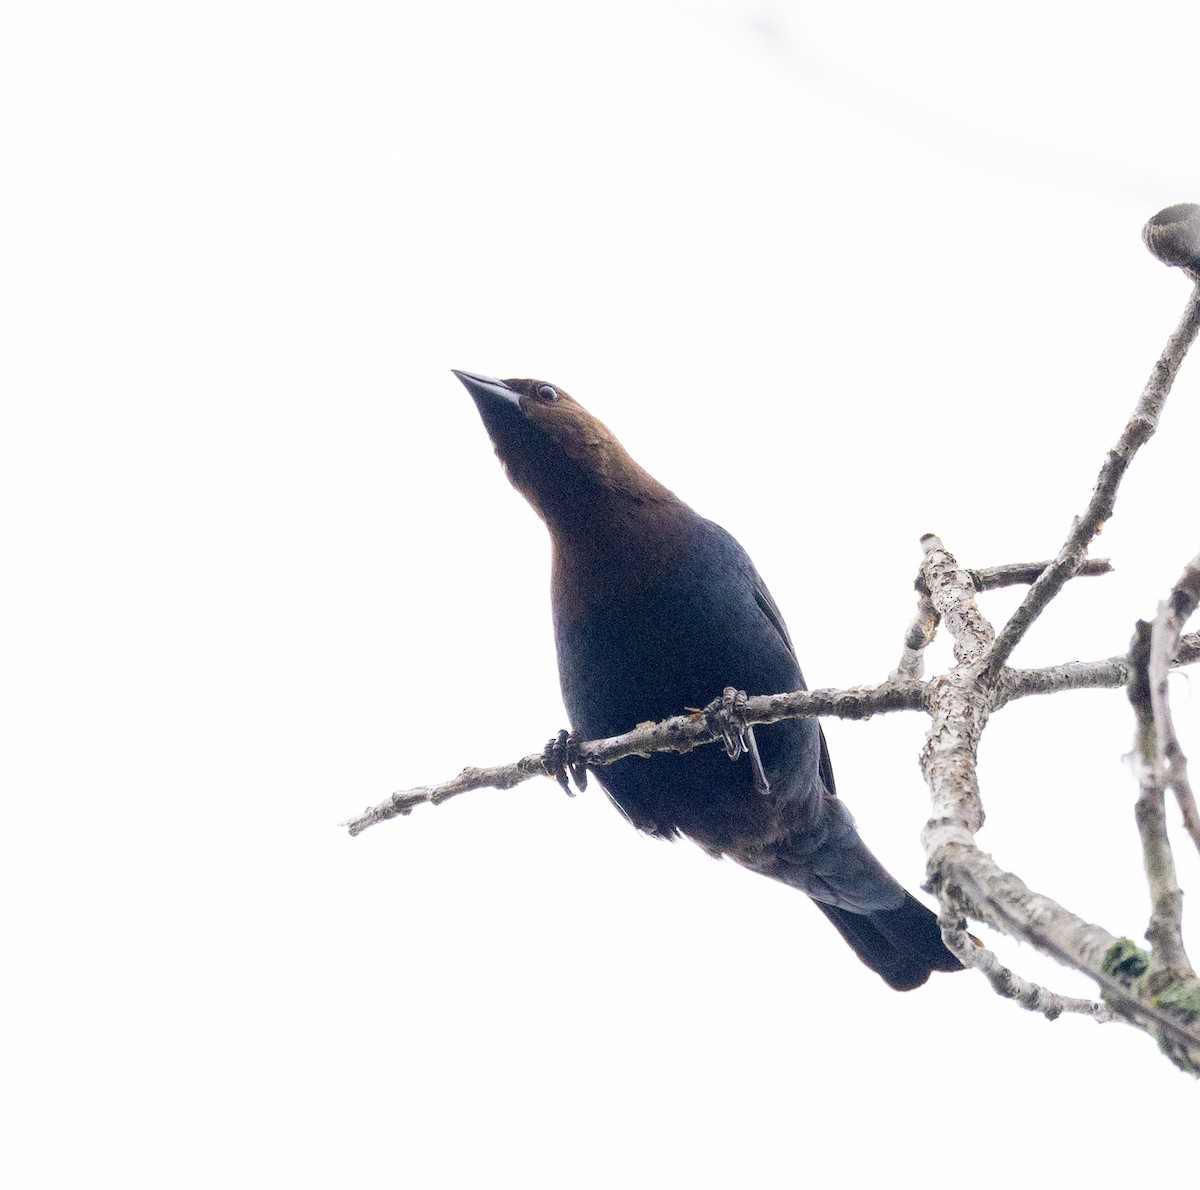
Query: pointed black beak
486,391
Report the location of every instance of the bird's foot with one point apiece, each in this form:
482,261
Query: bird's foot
726,717
560,758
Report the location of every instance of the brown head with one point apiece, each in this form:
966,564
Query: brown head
565,462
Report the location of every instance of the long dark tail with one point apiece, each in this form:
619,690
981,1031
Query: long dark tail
903,945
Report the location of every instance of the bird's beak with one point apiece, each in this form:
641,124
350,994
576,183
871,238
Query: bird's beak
487,391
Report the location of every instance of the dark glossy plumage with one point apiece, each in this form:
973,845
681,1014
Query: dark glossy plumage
657,609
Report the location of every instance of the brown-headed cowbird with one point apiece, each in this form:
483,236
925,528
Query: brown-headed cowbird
657,610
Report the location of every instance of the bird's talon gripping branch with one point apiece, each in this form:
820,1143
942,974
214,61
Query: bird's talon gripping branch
560,758
725,716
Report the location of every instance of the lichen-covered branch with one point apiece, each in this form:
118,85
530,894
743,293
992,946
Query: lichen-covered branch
958,708
1162,765
1007,983
953,595
967,881
1165,932
1166,643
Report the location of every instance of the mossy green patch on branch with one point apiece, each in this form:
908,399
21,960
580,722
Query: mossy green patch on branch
1126,961
1181,999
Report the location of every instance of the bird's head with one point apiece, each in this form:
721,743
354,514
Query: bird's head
556,454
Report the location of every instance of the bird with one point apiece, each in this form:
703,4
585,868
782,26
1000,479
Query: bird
657,610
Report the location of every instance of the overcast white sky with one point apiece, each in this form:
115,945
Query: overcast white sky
838,274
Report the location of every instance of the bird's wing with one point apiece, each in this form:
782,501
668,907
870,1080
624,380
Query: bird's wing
770,609
824,767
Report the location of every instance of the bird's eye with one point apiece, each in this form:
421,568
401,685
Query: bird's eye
547,392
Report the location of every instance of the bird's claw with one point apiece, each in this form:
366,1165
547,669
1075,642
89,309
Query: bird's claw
725,716
560,758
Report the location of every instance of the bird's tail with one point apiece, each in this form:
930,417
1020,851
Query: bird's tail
902,945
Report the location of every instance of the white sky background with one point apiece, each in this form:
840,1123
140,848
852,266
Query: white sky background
839,274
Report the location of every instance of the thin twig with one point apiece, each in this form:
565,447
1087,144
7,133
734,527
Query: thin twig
1109,674
1018,573
1007,983
1137,432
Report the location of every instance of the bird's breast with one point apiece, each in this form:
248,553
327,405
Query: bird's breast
665,643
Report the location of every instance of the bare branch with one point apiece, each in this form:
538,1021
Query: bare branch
404,801
1017,573
1166,635
1162,765
1140,428
953,597
1007,983
920,633
957,708
1166,918
968,880
680,734
924,626
1108,674
898,693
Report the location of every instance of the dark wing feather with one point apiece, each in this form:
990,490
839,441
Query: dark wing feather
770,609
